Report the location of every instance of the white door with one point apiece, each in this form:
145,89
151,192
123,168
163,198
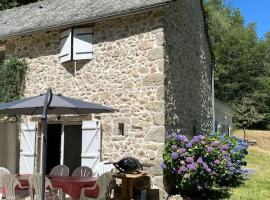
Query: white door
27,148
91,144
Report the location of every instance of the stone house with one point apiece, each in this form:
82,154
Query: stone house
148,58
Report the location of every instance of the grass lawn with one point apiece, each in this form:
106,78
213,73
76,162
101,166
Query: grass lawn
258,186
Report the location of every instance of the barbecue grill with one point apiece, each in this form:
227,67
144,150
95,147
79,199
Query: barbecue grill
129,164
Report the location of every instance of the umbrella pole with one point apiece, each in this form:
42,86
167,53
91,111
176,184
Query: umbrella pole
44,157
44,120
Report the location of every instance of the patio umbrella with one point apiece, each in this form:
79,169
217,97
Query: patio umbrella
50,103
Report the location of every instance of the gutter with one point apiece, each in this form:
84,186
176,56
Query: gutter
93,20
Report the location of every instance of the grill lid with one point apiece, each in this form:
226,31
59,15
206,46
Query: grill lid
128,164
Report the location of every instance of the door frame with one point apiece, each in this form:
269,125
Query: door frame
62,147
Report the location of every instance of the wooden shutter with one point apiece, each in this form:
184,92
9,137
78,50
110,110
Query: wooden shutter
82,43
91,144
65,46
27,148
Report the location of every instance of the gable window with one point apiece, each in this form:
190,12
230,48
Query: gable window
2,53
76,44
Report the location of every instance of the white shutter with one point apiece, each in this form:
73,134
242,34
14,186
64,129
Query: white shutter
27,148
65,46
82,43
91,144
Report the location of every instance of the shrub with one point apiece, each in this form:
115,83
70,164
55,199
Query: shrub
202,163
12,82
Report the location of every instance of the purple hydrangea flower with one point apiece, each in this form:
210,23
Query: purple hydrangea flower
189,160
197,139
188,145
192,166
210,149
224,153
200,160
185,139
217,162
229,164
182,150
177,137
168,136
182,169
205,167
163,166
215,143
174,155
174,146
225,147
180,138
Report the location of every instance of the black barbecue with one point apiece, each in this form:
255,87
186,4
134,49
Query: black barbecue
129,164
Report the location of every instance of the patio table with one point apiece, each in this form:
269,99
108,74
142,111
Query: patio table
70,185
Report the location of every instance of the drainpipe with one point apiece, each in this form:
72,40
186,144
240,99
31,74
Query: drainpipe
213,66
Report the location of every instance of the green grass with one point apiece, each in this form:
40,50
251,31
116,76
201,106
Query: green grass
258,186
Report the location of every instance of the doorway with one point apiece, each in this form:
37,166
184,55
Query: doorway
72,146
64,146
53,146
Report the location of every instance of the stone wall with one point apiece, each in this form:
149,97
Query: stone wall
187,69
126,72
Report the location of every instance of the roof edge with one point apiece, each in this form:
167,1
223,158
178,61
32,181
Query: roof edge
93,20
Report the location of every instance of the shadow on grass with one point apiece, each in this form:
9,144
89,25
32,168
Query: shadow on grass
216,194
209,195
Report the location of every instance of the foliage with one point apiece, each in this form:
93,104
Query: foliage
246,113
242,73
12,73
6,4
203,163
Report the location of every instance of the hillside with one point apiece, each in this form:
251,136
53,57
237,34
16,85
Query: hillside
262,138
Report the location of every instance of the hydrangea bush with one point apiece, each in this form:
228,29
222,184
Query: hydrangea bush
203,163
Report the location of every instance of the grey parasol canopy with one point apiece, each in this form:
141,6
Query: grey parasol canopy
46,104
59,105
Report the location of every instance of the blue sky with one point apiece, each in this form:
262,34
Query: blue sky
255,11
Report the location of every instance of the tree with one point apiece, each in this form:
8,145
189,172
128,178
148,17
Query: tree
242,74
246,114
6,4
